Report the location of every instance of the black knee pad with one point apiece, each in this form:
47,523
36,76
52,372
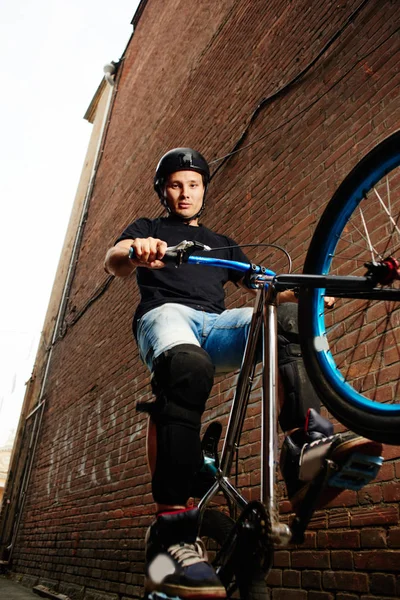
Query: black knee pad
184,375
298,391
182,381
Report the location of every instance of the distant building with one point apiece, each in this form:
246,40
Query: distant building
5,455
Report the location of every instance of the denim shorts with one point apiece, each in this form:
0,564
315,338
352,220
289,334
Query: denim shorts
223,335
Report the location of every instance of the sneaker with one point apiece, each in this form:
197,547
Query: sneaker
176,560
305,451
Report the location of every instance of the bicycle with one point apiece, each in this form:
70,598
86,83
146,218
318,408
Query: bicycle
351,354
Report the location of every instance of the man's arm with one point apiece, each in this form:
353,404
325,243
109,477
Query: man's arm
148,253
117,261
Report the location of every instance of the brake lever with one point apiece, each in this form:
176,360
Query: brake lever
181,252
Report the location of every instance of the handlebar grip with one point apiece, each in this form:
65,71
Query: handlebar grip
179,253
167,258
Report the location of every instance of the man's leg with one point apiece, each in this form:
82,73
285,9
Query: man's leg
309,436
151,446
159,331
182,377
310,439
182,380
226,343
297,393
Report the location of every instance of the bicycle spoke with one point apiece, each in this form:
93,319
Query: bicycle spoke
363,336
351,242
370,246
387,211
352,352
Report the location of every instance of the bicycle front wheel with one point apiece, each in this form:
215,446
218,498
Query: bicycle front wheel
352,352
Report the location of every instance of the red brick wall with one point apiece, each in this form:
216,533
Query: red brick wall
192,75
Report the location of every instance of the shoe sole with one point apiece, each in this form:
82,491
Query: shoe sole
339,454
358,444
172,591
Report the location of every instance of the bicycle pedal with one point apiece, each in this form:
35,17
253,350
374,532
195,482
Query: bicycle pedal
357,471
209,447
209,443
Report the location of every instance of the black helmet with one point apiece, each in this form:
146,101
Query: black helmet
179,159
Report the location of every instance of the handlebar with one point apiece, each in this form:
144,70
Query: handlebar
259,276
183,253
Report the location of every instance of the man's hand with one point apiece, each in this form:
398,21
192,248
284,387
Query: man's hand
148,252
329,301
289,296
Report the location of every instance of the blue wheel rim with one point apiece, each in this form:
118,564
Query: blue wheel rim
324,356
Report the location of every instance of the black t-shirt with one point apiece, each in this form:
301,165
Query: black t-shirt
198,286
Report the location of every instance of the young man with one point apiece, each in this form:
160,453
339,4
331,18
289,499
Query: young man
185,335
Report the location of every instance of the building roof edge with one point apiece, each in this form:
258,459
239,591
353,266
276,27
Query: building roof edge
91,110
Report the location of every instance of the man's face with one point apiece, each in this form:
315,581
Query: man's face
185,191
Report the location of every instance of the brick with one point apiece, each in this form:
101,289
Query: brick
381,583
339,539
373,538
27,580
308,559
48,592
51,584
95,595
274,578
341,559
281,558
394,537
386,472
377,560
369,597
287,594
319,521
318,595
339,518
391,491
390,452
382,515
310,540
73,591
311,580
370,494
345,580
291,578
346,498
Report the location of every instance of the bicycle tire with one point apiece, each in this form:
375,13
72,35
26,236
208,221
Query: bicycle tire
335,351
216,528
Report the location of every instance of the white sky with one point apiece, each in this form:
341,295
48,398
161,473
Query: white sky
52,58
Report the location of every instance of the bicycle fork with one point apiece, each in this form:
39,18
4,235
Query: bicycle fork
264,320
280,532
